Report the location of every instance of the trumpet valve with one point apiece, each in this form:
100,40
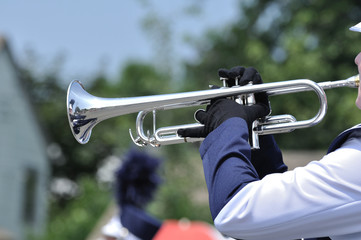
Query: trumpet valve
224,81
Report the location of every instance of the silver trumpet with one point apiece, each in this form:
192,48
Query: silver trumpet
85,110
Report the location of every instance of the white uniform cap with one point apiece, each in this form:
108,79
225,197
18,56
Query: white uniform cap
115,229
356,28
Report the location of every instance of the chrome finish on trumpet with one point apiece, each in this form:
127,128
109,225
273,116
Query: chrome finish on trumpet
85,110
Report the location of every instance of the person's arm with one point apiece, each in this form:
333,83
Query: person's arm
321,199
266,160
226,158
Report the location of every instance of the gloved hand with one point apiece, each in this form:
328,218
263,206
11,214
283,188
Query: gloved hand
268,159
242,74
222,109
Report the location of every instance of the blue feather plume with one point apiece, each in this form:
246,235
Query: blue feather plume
137,179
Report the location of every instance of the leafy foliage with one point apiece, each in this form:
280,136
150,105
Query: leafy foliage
282,39
79,216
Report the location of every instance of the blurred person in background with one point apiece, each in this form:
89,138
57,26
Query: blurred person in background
136,183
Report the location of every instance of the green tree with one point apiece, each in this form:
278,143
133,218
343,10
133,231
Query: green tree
77,219
49,93
282,39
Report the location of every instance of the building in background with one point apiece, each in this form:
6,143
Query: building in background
24,168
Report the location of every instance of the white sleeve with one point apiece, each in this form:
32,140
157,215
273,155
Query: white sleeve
320,199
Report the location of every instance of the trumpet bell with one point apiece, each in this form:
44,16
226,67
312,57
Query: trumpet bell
79,108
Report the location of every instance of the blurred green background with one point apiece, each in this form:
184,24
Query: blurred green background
284,40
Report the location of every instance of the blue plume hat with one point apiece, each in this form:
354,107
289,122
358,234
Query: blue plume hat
136,182
137,179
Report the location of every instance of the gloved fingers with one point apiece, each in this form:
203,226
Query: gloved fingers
232,74
201,116
251,74
257,78
245,75
260,110
191,132
223,73
262,98
236,71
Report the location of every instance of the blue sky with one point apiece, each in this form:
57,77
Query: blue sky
90,32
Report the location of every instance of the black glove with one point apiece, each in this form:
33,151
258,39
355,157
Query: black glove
242,74
268,159
222,109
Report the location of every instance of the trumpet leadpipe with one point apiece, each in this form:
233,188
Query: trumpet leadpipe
351,82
